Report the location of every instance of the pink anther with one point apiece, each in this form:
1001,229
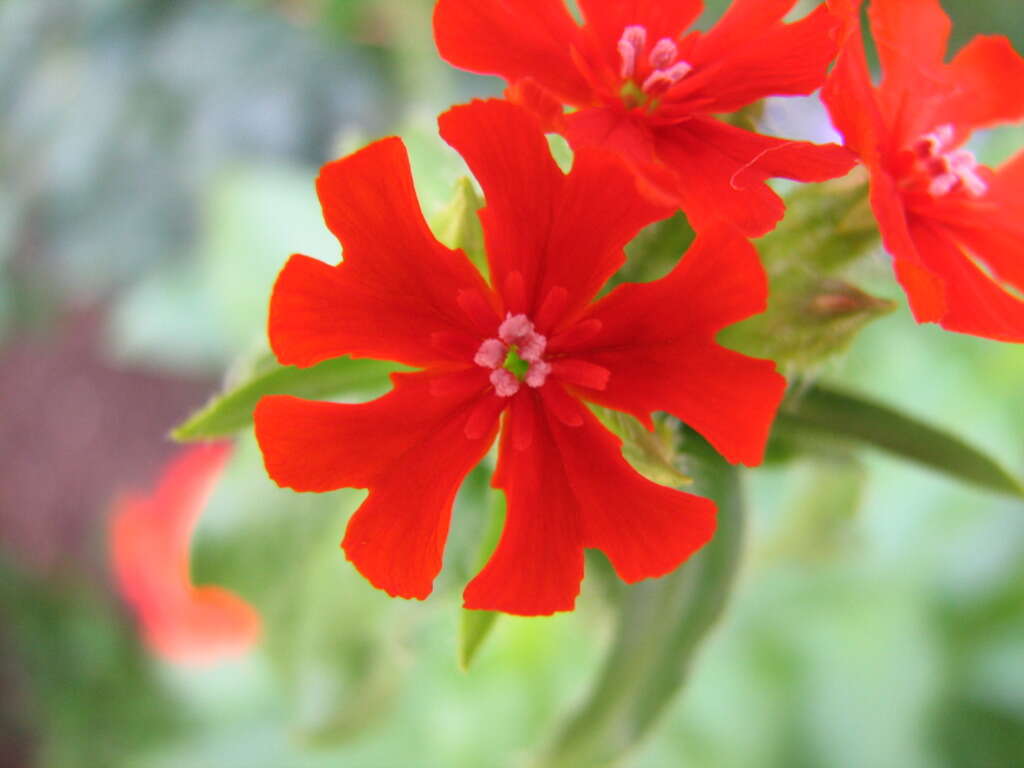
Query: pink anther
537,373
504,381
514,328
660,79
491,354
949,169
663,54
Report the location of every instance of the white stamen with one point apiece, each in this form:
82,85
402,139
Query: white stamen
660,79
943,185
635,35
504,381
973,183
491,354
663,54
949,170
537,373
630,45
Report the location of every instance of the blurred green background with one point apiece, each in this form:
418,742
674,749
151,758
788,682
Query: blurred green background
158,158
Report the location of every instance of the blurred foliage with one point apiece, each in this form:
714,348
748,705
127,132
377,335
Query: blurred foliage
86,670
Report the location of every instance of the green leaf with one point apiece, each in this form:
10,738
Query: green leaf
821,412
232,410
660,626
475,626
458,225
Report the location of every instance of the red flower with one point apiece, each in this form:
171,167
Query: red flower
643,88
533,346
149,547
954,227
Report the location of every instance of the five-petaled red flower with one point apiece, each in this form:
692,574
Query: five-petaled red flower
532,345
643,88
149,539
955,228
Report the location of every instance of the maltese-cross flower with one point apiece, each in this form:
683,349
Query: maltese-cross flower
149,540
955,228
532,345
643,87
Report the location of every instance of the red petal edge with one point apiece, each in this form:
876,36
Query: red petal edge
409,447
572,489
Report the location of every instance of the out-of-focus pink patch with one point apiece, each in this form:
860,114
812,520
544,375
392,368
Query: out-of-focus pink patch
149,544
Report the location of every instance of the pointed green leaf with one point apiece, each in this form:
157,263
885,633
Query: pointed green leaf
821,412
660,626
232,409
475,626
458,226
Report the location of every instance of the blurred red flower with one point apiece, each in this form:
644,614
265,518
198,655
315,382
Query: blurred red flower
643,88
532,344
955,228
149,539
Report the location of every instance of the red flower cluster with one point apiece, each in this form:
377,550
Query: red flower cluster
642,86
525,351
149,539
955,228
532,345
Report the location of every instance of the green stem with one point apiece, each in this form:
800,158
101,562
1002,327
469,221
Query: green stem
661,624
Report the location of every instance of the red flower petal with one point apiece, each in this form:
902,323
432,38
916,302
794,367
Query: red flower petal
849,95
721,171
631,139
150,539
657,339
569,490
514,39
409,447
1006,187
911,37
544,230
979,96
976,304
744,20
527,93
396,286
742,60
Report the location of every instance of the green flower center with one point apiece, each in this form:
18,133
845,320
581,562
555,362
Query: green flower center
514,364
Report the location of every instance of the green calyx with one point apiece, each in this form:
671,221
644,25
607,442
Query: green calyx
515,364
633,96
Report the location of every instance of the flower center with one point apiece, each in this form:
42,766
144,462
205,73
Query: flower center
948,169
662,70
515,356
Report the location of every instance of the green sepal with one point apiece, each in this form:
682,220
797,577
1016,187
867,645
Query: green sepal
231,410
651,453
660,625
821,414
815,307
458,225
